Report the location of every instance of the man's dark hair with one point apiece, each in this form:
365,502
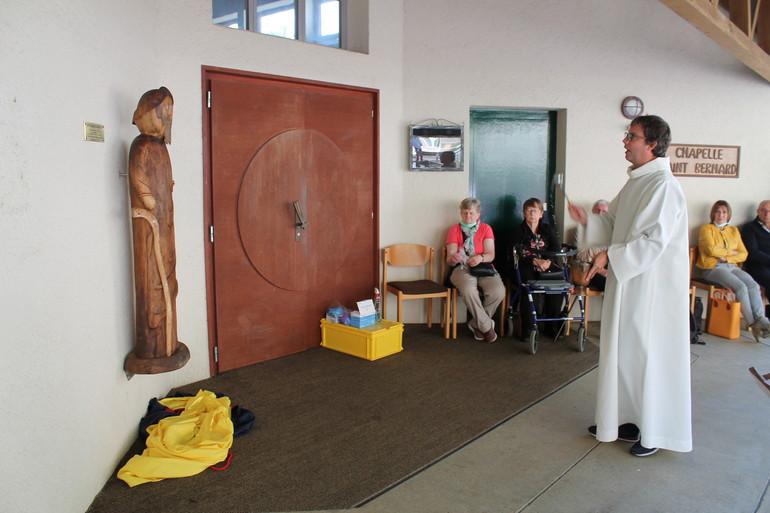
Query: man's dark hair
655,130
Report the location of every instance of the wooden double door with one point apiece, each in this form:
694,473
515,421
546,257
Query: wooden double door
291,210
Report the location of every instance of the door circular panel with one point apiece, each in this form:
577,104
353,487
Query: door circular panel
301,166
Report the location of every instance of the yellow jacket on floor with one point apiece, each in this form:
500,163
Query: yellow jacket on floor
183,445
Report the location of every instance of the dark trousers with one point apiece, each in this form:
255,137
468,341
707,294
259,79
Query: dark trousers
761,275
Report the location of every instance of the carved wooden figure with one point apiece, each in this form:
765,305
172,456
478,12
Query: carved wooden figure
156,348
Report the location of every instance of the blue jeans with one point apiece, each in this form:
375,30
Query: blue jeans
745,288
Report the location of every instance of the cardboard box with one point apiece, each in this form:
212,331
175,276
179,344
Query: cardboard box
362,322
371,343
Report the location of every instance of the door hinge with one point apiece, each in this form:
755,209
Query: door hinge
372,113
372,215
211,233
208,99
216,354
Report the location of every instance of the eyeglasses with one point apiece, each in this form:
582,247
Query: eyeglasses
631,136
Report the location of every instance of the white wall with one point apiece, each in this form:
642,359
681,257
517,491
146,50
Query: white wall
66,259
583,57
66,275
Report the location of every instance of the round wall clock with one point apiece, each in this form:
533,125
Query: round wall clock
632,106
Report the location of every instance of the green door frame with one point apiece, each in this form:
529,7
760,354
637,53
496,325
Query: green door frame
513,157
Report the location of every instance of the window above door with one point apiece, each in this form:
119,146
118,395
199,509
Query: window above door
321,22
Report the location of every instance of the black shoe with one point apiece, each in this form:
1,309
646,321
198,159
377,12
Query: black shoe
639,450
626,432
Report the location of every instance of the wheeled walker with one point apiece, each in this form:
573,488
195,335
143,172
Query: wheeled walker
547,284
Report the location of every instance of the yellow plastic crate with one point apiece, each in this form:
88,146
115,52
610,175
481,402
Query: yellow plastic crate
371,343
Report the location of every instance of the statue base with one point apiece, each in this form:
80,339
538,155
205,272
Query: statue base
177,360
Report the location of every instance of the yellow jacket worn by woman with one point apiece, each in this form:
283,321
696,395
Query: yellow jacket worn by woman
714,244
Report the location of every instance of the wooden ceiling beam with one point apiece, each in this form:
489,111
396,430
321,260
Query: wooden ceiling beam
763,26
706,17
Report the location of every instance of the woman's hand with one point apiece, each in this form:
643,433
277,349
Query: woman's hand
475,260
542,264
455,258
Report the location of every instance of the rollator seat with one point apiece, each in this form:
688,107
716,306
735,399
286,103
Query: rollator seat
549,285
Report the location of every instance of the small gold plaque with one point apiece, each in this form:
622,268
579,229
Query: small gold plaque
93,132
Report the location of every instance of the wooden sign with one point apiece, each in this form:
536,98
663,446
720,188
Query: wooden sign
705,161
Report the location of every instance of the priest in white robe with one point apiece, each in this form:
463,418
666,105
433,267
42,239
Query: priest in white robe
644,362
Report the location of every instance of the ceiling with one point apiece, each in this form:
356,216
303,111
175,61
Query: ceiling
742,27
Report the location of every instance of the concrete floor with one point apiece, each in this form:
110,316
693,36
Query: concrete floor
543,460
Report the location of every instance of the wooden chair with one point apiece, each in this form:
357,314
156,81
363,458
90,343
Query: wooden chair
414,255
763,380
453,314
587,293
699,283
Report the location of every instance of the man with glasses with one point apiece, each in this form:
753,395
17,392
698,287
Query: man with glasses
644,363
756,238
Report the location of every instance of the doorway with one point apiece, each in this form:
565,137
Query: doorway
513,158
291,188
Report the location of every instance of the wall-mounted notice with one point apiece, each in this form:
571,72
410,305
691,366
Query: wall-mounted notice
699,160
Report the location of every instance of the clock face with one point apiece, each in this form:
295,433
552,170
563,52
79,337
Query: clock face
632,107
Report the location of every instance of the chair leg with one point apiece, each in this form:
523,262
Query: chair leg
454,313
398,315
503,310
446,316
430,313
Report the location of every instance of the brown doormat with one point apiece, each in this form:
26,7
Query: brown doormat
333,430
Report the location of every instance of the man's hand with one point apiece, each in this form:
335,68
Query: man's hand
599,263
578,213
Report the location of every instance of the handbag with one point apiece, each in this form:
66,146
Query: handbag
482,270
725,315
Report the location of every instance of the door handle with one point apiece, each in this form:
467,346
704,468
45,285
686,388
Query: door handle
300,223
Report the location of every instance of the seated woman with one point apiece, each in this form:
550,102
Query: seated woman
720,248
468,245
532,236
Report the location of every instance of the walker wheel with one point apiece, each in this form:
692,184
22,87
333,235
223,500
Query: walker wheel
533,341
581,338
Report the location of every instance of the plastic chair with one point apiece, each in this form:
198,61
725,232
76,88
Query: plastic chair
414,255
453,314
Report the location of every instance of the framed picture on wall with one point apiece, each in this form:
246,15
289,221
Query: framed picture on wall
435,148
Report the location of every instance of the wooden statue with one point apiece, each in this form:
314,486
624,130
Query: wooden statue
156,348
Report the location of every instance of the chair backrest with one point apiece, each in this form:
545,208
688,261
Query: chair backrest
693,257
407,255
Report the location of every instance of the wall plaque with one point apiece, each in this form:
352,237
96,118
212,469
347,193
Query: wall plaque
708,161
93,132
